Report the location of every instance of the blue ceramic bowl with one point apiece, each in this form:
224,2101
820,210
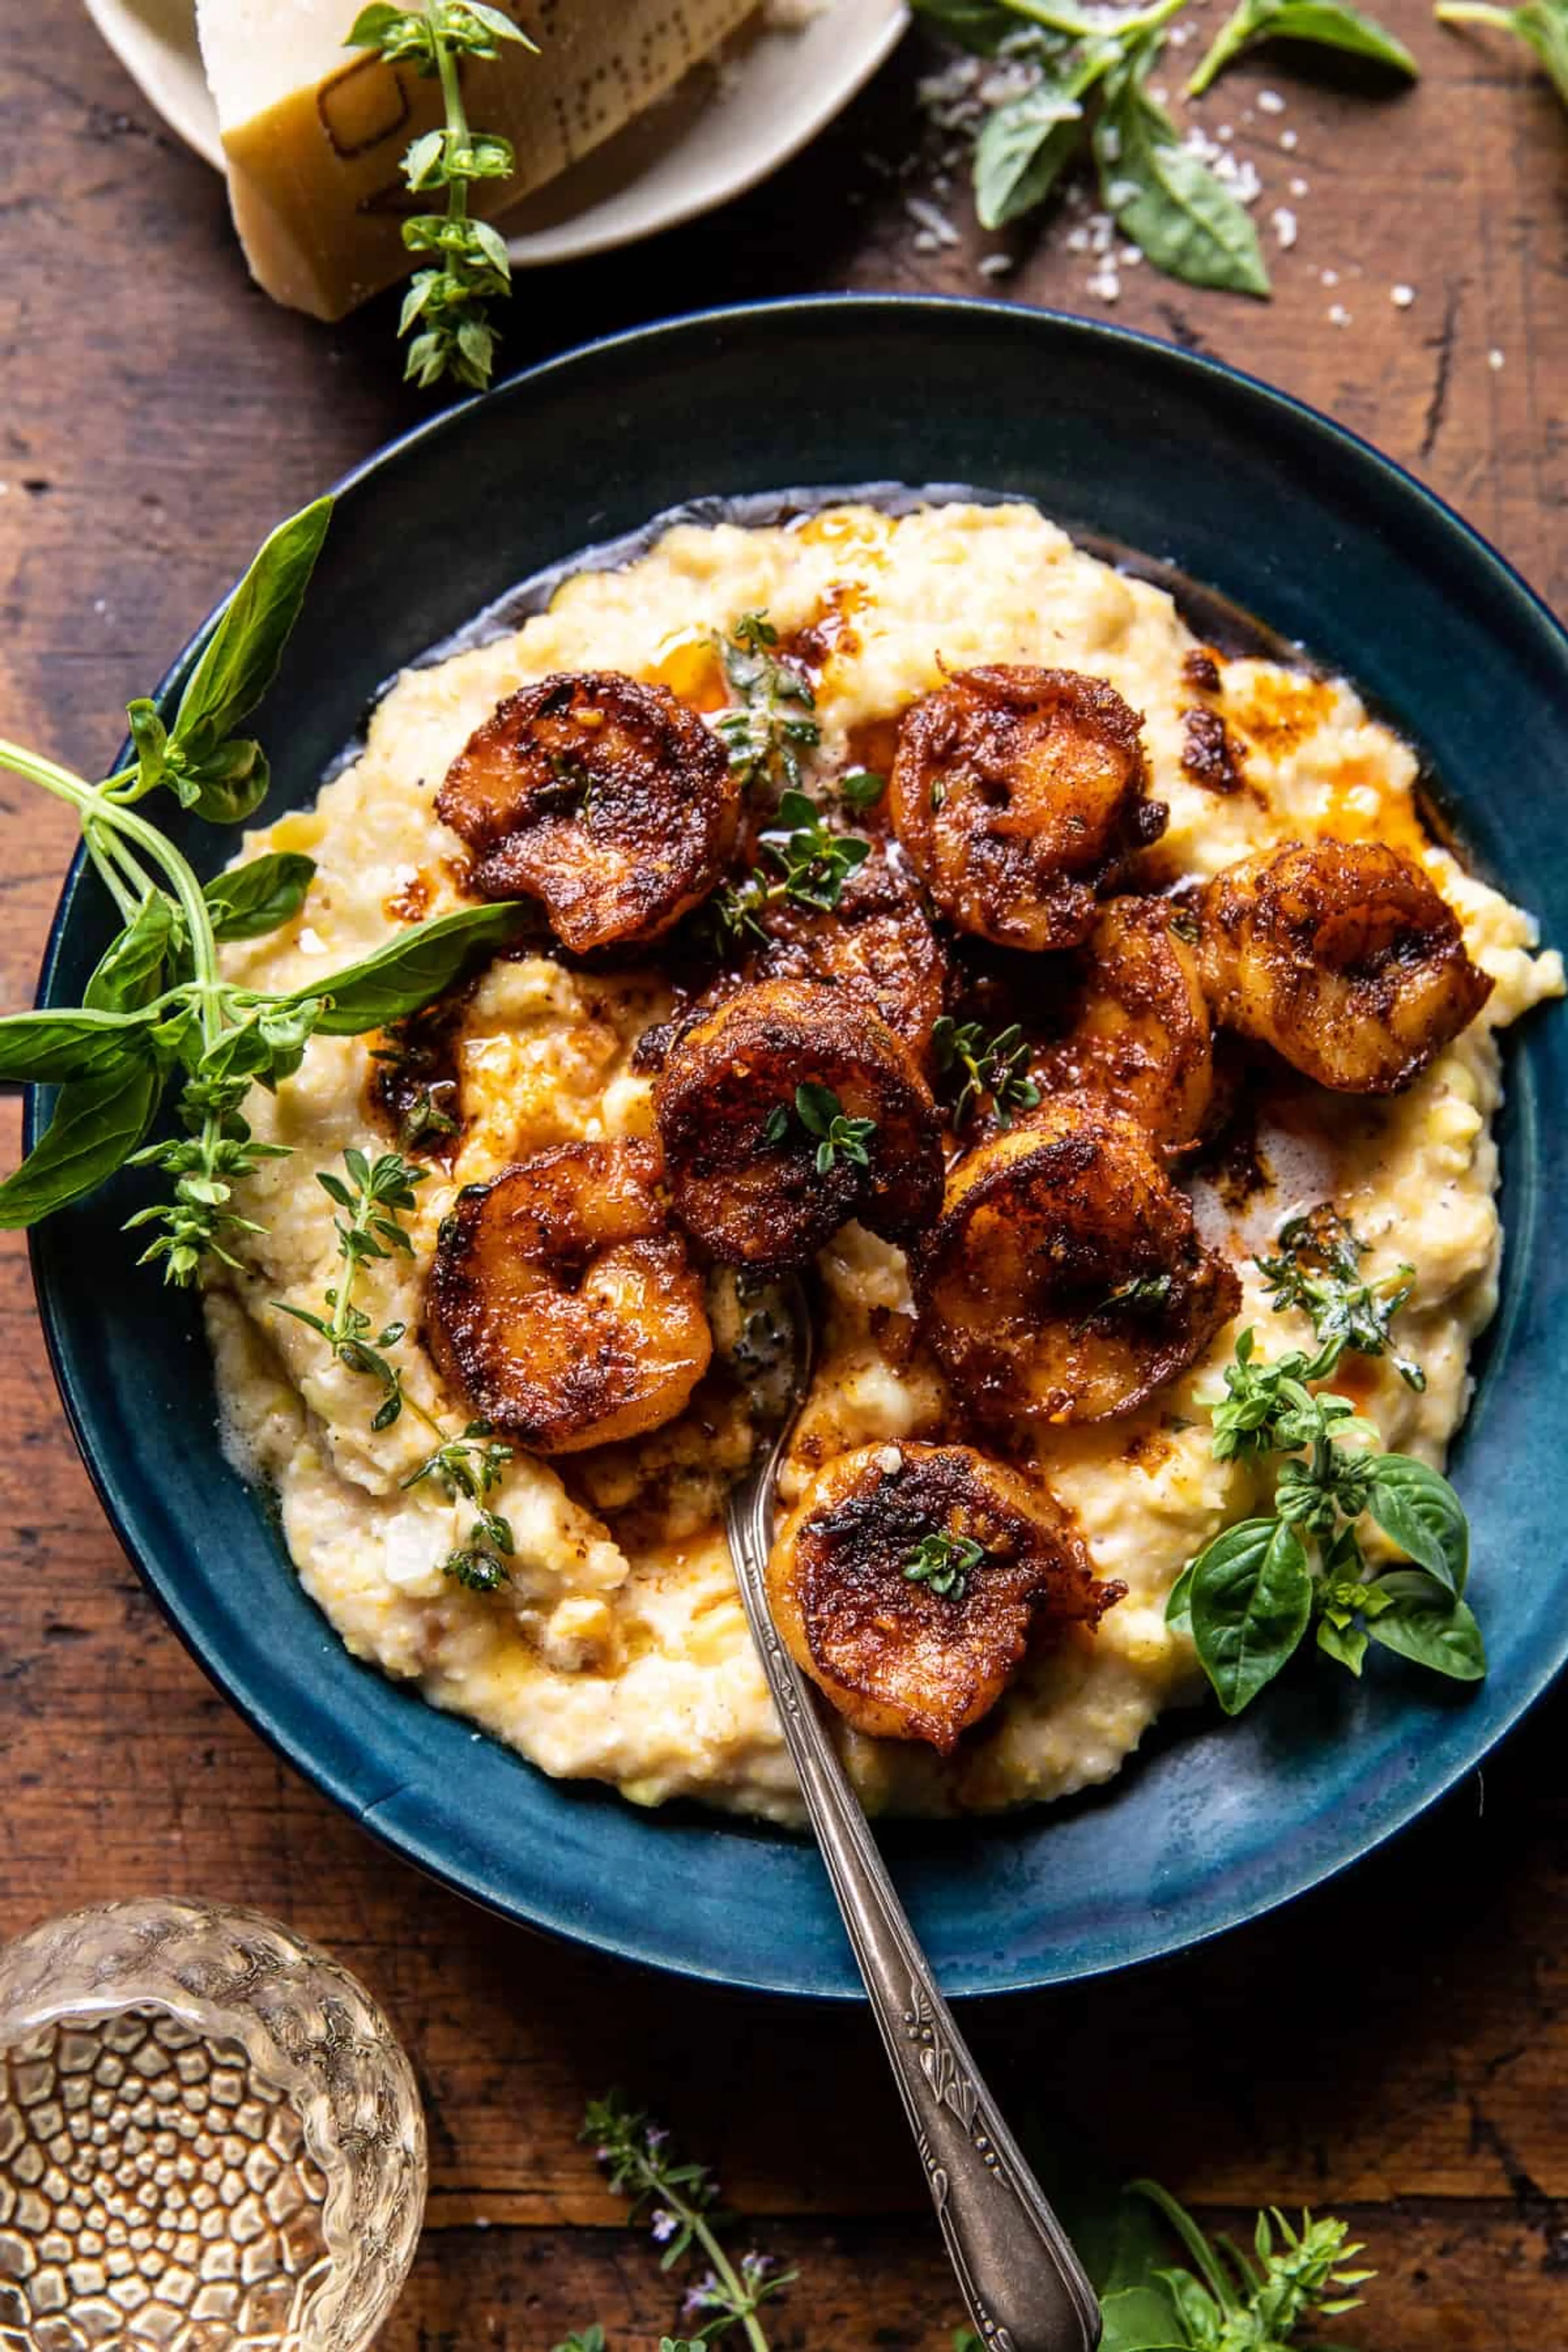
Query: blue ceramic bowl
1244,491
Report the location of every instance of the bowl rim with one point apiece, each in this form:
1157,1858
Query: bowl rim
408,1843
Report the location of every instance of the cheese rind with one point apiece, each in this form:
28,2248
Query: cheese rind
314,134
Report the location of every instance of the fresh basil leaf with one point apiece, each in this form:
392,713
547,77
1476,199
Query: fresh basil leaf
371,26
46,1048
98,1123
1026,146
1325,24
151,736
246,647
225,788
250,901
408,970
1429,1626
1345,1644
1140,2319
129,973
1179,1602
1164,200
1424,1515
1250,1598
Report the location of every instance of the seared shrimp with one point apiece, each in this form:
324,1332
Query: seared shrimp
608,801
907,1579
561,1305
878,942
1343,957
1138,1028
1065,1281
1020,795
744,1101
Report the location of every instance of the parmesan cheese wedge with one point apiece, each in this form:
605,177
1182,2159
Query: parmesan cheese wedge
314,133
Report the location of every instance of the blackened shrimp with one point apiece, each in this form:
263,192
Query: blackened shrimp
561,1304
1020,795
1137,1022
1065,1281
606,799
909,1579
787,1110
1342,956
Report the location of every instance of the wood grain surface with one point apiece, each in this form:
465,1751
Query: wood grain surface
1396,2046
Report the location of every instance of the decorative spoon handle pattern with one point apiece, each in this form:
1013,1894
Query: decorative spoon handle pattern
1024,2287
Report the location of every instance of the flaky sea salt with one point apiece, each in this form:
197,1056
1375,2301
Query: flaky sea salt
1402,297
1338,315
1284,221
1271,102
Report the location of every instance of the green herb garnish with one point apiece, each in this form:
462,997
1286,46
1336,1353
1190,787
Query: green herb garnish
775,721
814,864
157,1016
1248,1597
1542,24
1225,2299
1317,1270
861,787
1325,24
1164,200
446,301
992,1066
822,1115
945,1563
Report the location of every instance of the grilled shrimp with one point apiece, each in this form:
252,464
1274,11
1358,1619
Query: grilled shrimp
1065,1280
742,1103
1020,795
561,1304
608,799
878,942
900,1655
1138,1029
1343,957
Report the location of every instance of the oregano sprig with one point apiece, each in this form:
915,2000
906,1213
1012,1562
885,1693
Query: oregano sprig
469,267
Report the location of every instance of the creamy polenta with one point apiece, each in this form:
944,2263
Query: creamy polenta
619,1650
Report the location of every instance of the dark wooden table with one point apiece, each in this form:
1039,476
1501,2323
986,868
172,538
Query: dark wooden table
1396,2046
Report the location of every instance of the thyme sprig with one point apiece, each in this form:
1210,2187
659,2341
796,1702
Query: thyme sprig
988,1068
446,301
945,1563
158,1018
467,1466
819,1111
813,864
679,2201
1317,1270
774,720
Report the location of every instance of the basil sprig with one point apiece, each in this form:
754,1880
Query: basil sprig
159,1023
1165,201
1326,24
1250,1598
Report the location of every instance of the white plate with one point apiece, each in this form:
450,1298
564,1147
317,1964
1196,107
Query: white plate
719,132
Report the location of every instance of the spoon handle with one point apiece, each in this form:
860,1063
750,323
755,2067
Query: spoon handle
1023,2285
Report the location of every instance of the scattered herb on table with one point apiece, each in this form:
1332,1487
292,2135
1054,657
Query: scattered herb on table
158,1021
446,301
774,720
945,1563
1221,2299
822,1115
1542,24
993,1067
1086,74
468,1468
679,2203
1326,24
1248,1598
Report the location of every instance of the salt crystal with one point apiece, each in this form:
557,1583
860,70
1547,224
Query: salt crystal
1402,297
1288,141
1338,315
995,265
1271,102
1494,359
936,223
1298,187
1329,277
1284,221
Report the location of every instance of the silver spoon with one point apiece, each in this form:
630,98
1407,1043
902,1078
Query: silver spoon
1023,2285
